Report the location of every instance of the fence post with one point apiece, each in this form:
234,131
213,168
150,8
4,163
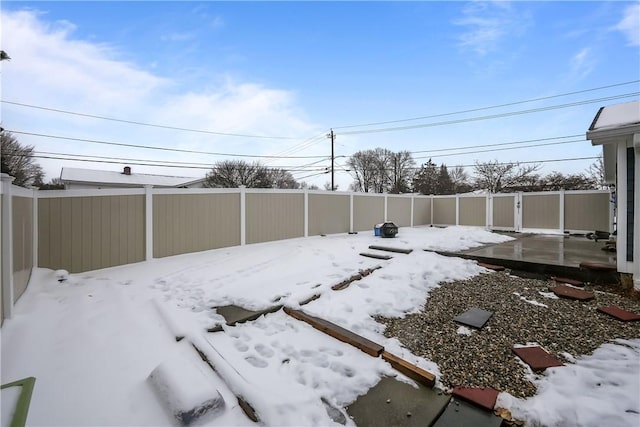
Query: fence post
34,228
148,219
306,212
243,215
489,212
7,246
457,209
413,199
561,222
351,213
386,203
431,205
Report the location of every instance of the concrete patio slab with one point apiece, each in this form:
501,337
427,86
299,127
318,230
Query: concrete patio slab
462,414
555,255
475,317
395,403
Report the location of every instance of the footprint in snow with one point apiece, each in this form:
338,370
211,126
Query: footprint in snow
331,351
256,361
240,346
342,369
263,350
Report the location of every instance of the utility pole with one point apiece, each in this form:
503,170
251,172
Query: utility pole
332,136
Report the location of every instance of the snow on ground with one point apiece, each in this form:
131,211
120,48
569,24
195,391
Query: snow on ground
92,340
601,389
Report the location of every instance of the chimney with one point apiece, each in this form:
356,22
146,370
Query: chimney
127,170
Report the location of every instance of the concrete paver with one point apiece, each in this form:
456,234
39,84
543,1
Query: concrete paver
475,317
394,403
234,314
536,357
619,313
462,414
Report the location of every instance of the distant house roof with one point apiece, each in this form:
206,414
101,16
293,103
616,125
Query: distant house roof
122,179
613,121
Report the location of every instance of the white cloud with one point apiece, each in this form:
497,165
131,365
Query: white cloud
488,24
50,67
582,63
630,24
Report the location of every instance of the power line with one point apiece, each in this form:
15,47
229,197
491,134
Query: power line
149,147
493,116
473,110
498,144
143,162
133,122
501,149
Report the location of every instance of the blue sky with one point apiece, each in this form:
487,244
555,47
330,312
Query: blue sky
296,69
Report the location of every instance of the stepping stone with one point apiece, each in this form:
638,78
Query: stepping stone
619,313
338,332
572,293
462,414
234,314
376,256
484,397
412,371
395,403
389,249
599,266
536,357
475,317
572,282
491,266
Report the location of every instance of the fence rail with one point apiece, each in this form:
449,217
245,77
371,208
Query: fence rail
81,230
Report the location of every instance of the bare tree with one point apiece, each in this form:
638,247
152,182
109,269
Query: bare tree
234,173
496,177
306,185
283,179
327,186
596,172
17,160
363,168
556,181
381,170
460,180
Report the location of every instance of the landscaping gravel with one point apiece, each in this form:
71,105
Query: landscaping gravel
483,358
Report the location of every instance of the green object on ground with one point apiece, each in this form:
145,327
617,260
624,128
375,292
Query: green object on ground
19,418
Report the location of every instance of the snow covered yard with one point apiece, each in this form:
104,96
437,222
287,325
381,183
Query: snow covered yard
92,340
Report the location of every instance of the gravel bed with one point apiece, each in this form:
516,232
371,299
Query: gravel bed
484,358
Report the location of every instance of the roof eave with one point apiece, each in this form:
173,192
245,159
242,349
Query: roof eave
612,134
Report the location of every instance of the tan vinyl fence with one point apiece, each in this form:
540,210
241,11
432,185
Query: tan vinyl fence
81,230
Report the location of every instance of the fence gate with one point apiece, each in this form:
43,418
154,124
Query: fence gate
505,211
